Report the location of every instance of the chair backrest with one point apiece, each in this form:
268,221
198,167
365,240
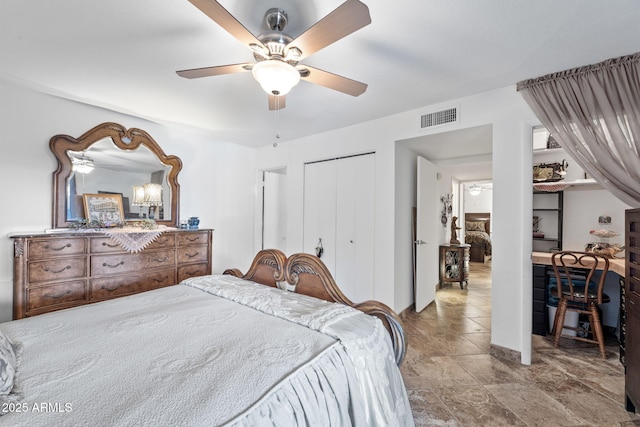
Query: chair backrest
575,270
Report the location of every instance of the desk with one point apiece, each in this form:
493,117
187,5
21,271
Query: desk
541,264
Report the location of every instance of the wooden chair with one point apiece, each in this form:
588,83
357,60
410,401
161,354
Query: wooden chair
577,291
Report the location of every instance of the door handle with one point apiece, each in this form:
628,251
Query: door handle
420,242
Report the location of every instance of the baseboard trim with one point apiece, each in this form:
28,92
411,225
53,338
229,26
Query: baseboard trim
506,354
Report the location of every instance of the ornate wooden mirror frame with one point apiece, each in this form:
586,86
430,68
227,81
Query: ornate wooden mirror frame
123,139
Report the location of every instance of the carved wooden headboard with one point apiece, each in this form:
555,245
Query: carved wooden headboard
306,274
476,217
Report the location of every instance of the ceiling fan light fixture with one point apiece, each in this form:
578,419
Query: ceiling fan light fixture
275,76
475,189
82,164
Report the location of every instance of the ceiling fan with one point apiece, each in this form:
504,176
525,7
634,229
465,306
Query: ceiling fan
278,55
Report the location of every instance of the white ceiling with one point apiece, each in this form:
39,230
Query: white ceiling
123,54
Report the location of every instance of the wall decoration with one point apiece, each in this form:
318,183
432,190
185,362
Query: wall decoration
447,208
104,209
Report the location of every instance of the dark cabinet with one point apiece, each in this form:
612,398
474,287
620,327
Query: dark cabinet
632,306
540,321
454,264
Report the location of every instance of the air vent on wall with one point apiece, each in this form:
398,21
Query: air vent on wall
450,115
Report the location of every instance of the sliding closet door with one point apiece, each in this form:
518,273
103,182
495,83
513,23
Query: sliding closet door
354,226
320,211
338,208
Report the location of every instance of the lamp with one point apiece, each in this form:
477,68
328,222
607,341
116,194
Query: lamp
138,197
475,189
82,164
275,76
152,196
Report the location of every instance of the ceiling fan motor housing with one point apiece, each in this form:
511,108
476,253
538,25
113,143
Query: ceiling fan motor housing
276,19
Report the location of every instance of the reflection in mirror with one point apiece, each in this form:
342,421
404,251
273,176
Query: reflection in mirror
104,168
111,159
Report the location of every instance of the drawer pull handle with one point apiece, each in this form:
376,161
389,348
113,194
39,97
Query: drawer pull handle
109,288
163,241
160,280
60,295
114,245
192,255
104,264
68,245
193,239
47,268
632,302
161,259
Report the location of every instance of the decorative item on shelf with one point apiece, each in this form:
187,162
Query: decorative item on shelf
184,224
454,231
447,208
103,208
537,233
549,172
193,223
603,247
551,142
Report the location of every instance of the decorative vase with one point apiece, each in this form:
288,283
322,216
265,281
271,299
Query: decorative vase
193,222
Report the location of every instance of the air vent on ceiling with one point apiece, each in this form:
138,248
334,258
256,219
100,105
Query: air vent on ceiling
450,115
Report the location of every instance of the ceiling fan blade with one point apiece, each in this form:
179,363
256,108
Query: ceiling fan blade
332,81
347,18
214,71
222,17
277,102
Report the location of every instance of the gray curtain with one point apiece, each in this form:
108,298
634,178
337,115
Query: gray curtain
594,114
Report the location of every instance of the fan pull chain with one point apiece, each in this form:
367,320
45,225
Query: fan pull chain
275,143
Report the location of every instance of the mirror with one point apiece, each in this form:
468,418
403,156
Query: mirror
111,159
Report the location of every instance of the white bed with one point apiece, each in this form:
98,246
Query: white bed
214,350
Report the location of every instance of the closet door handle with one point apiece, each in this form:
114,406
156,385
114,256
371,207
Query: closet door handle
420,242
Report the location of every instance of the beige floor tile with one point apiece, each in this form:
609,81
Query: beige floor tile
452,380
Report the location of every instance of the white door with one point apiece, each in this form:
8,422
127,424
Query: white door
319,216
355,226
339,210
427,232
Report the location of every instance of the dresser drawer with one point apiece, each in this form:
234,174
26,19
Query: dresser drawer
60,293
56,247
104,245
100,245
193,270
189,254
110,287
187,238
102,265
165,240
56,269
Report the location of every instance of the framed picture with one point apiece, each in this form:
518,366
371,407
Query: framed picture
103,208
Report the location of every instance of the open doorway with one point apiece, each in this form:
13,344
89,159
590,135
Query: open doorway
460,156
273,230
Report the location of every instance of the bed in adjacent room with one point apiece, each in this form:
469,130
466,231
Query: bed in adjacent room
477,233
213,350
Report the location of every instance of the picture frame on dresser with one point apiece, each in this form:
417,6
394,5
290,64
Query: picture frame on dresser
103,208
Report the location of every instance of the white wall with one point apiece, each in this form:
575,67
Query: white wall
216,181
512,121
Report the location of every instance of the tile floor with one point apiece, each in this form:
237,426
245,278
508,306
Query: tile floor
453,381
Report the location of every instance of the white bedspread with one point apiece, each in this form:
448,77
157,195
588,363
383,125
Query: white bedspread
181,356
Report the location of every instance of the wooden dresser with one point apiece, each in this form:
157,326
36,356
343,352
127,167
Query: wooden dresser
62,270
631,300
